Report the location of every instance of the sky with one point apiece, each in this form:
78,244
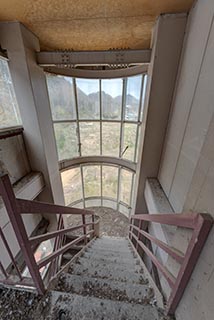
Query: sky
112,87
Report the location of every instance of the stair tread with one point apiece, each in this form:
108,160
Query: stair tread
77,307
110,263
106,288
107,273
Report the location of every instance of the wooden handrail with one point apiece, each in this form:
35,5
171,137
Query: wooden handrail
201,225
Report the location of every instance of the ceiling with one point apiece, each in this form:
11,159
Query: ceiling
90,24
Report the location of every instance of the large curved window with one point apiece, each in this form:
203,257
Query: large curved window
96,117
99,119
98,185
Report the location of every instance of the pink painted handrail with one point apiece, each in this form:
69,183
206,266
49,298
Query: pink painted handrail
201,225
15,208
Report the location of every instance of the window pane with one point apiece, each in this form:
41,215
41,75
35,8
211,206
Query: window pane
133,98
109,181
9,112
88,98
112,99
130,130
90,138
72,185
66,140
111,139
125,186
91,176
61,95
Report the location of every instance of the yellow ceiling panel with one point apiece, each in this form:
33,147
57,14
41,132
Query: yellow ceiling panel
90,24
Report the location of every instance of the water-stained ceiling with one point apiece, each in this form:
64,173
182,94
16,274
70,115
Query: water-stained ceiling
90,24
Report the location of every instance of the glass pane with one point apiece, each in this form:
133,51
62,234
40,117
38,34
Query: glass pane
90,138
9,112
143,96
109,181
125,186
66,140
91,176
133,98
130,130
111,139
61,95
72,185
112,99
88,98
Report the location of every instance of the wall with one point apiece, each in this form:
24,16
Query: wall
187,166
27,185
167,44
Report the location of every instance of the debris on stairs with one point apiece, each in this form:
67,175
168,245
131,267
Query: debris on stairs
106,282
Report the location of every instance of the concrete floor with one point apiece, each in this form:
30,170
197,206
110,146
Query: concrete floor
112,223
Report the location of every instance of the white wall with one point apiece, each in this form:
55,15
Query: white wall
187,166
27,185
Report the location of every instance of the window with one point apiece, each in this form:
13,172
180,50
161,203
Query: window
9,112
97,117
111,99
94,118
66,139
97,184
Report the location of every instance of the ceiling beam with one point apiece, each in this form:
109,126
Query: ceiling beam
98,74
93,58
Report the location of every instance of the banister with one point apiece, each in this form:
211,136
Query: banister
178,256
31,206
201,225
58,252
167,275
188,220
53,234
15,208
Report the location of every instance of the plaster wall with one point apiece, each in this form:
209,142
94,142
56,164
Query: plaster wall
186,173
27,185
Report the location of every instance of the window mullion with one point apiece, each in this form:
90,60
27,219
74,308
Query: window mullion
122,116
83,188
77,115
101,122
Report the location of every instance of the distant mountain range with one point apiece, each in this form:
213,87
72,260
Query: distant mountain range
63,101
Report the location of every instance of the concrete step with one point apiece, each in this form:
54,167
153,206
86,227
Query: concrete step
106,273
104,288
77,307
115,260
109,252
110,265
113,249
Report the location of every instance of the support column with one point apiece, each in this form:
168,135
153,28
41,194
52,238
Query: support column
32,96
167,44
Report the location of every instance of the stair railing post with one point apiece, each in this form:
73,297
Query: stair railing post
84,228
8,196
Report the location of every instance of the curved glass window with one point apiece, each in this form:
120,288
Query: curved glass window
97,117
100,184
93,118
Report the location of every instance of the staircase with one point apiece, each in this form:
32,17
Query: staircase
105,282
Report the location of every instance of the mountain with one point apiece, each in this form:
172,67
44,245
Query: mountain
63,101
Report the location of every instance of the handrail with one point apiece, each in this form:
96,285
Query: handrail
15,208
201,225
